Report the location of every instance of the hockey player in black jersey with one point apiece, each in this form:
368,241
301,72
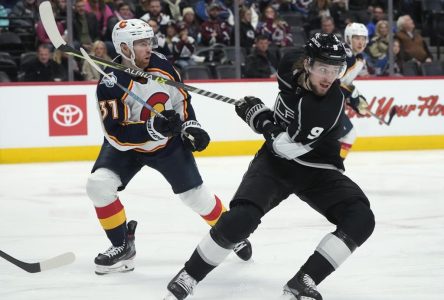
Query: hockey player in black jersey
137,137
300,156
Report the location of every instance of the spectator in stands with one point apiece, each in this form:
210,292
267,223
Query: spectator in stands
203,13
317,10
398,60
85,26
4,23
328,26
378,48
171,33
184,47
99,50
359,11
377,15
102,12
43,67
60,10
340,14
189,19
155,12
215,30
28,12
277,30
412,43
142,8
162,46
62,59
122,12
174,7
247,31
261,63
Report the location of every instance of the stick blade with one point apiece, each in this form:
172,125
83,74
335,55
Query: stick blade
58,261
49,23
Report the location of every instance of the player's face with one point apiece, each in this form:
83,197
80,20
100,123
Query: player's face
322,77
358,43
142,50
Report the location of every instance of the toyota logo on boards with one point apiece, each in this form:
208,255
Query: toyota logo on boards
67,115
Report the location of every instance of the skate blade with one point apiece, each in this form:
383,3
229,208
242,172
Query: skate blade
169,296
287,296
120,267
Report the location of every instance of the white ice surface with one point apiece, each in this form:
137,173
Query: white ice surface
44,211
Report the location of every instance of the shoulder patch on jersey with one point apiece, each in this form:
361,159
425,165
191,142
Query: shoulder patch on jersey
160,55
348,51
109,82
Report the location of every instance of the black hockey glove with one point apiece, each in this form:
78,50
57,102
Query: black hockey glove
198,138
271,132
254,112
358,103
160,128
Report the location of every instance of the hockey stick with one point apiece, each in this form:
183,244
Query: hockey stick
129,92
392,113
50,26
55,262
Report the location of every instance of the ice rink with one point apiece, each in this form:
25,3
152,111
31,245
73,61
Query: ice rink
45,211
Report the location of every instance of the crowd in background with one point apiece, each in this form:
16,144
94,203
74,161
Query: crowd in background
200,33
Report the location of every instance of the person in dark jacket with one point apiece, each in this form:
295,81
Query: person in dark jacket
85,26
247,31
261,63
42,68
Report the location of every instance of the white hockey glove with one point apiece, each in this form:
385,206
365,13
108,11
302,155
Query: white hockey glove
358,103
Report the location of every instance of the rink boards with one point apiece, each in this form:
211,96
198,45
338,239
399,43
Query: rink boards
59,122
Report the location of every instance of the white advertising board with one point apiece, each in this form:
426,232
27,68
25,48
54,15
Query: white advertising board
46,115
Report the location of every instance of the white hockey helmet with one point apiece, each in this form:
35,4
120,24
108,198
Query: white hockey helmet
128,31
355,29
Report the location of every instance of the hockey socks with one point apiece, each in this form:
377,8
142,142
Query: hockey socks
331,252
215,214
113,220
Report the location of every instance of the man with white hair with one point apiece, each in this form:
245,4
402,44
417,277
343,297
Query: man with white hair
412,43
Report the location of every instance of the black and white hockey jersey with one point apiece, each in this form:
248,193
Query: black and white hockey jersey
355,65
123,118
312,124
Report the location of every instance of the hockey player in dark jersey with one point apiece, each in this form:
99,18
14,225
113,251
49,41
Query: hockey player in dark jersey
356,39
300,156
137,137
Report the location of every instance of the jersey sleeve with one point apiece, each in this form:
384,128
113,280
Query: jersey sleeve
296,140
114,114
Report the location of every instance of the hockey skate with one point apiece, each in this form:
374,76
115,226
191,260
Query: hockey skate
301,287
118,259
180,286
243,250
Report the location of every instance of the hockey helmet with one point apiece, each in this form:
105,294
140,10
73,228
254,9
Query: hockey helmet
327,48
352,29
128,31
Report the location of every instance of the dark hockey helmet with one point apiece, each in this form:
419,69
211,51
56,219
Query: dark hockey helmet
326,48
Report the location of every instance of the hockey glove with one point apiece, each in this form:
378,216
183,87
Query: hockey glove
254,112
198,139
271,132
160,128
358,103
